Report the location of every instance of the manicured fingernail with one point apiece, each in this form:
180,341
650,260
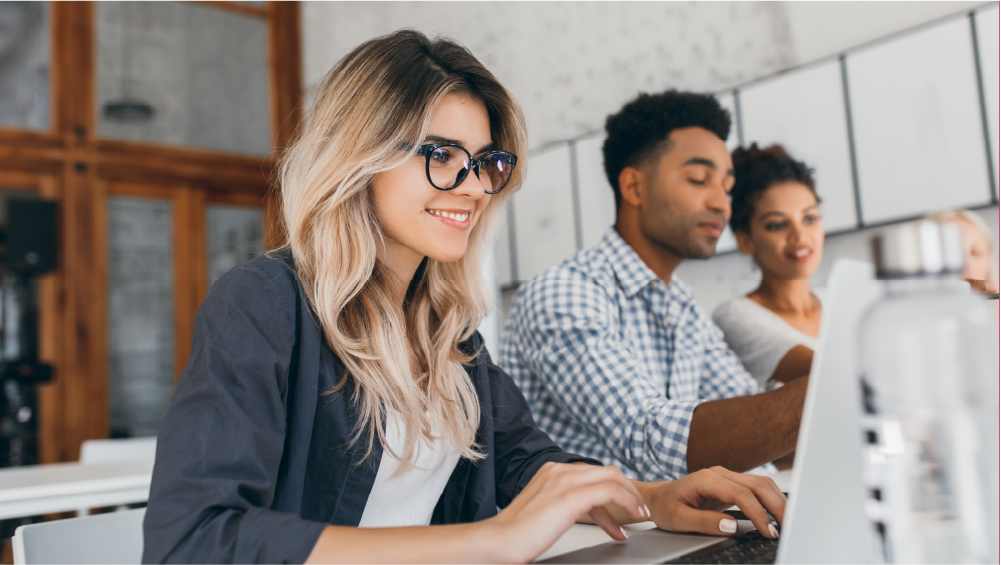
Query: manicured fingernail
774,533
728,525
624,534
646,511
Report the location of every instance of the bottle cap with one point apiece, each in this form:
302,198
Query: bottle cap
918,249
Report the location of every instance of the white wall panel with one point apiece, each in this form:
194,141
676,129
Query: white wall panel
987,39
543,212
728,103
916,118
805,112
597,202
726,240
502,249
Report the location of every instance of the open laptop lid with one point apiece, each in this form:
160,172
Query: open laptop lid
825,520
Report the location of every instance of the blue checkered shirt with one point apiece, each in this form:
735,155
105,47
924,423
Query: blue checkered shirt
613,361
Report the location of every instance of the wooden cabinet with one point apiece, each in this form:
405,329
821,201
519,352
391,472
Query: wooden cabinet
99,175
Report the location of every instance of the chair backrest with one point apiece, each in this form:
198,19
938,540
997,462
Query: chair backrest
108,450
116,537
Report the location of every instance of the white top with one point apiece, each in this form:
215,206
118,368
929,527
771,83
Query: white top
408,499
760,337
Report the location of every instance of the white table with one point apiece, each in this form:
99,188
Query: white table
580,536
64,487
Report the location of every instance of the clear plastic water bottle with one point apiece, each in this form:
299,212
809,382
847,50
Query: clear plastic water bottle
929,357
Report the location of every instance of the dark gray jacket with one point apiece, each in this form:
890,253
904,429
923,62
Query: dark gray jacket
253,458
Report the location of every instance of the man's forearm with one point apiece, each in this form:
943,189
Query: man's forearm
745,432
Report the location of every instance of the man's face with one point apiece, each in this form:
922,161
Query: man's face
686,203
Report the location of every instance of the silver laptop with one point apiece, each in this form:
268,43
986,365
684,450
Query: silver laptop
824,521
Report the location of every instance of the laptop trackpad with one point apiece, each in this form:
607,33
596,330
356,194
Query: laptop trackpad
650,546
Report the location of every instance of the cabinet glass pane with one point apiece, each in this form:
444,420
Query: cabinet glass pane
140,315
24,65
235,236
183,74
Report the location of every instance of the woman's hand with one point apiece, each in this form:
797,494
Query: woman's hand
555,498
694,503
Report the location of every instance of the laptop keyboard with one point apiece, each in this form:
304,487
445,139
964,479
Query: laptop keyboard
748,547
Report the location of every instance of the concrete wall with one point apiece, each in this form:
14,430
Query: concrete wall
572,63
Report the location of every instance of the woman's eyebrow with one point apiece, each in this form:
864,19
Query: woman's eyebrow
440,139
773,213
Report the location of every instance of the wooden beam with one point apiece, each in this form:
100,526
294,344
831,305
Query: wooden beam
244,8
127,161
285,64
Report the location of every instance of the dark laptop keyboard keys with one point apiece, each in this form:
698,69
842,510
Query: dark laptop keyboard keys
749,547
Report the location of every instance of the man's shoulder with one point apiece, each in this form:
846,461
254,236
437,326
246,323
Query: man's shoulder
587,271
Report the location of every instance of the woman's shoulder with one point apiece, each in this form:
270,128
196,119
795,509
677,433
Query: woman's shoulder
739,307
273,271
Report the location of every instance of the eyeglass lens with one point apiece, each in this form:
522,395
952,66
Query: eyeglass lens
448,166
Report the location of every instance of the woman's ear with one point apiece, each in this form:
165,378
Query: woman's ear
744,242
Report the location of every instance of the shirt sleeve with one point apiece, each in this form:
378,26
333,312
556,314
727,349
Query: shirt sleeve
520,447
569,340
222,439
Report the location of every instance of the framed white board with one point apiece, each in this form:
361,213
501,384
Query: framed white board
597,202
916,118
544,214
502,249
987,42
729,104
805,112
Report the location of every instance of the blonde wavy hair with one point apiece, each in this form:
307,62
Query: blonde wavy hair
399,358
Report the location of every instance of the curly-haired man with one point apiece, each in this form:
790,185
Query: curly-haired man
615,357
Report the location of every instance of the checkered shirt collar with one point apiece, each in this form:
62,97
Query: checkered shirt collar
632,273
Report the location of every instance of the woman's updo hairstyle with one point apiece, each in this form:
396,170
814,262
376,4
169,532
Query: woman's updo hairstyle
756,170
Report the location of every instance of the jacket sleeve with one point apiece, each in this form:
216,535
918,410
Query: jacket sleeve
520,447
222,439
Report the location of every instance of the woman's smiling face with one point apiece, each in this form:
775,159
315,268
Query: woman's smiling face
420,220
786,235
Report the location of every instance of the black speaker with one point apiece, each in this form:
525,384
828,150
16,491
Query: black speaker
31,236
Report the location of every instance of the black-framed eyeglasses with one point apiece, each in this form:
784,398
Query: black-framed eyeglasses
447,165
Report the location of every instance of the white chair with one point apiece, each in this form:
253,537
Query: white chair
116,537
111,450
108,450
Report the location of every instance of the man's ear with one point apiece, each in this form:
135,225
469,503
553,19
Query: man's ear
632,186
744,243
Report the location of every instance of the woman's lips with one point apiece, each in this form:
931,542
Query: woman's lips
459,219
799,254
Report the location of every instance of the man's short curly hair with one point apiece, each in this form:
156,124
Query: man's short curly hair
756,171
642,127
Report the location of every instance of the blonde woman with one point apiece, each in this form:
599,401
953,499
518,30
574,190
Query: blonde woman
338,401
979,268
